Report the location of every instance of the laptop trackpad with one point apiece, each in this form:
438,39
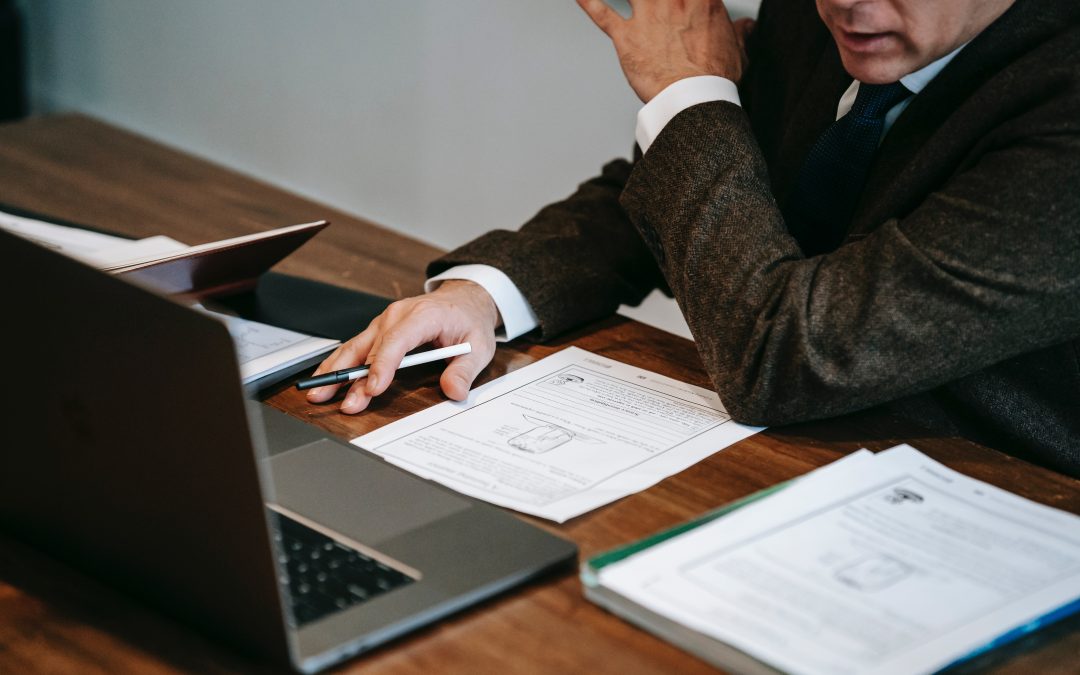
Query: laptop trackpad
356,495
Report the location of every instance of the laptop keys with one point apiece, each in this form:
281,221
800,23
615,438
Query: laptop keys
323,576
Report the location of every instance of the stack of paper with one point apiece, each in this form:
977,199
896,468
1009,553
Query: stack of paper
887,563
93,248
266,354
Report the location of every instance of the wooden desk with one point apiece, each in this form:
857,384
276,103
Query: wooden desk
54,619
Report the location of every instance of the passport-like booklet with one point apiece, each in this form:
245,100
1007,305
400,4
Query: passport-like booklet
281,324
218,268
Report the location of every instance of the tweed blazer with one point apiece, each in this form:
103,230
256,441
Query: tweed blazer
955,298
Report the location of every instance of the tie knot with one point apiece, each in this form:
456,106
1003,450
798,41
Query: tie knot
874,100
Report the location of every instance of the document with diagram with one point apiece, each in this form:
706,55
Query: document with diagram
563,436
886,563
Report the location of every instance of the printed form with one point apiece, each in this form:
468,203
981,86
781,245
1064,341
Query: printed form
563,436
887,563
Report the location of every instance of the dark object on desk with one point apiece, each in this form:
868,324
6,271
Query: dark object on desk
12,78
304,306
307,306
161,484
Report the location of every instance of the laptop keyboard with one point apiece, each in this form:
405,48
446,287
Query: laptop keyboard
325,576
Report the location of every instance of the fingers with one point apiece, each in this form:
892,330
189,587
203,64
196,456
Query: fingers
352,353
457,379
458,312
410,324
605,18
664,42
385,360
357,399
381,350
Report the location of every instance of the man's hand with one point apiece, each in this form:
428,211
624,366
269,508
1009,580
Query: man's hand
458,311
664,41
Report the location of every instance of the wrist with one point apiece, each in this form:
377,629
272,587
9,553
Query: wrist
660,84
476,296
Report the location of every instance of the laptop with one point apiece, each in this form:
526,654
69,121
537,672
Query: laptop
132,453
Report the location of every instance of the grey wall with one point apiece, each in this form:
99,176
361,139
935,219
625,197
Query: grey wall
439,119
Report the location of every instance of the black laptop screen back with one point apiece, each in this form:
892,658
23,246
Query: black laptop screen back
126,449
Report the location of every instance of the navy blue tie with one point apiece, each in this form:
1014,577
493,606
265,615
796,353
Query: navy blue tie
818,211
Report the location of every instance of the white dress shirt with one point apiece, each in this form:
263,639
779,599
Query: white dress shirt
517,315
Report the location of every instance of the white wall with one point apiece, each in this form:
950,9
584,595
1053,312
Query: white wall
441,119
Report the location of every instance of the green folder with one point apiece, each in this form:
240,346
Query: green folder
591,567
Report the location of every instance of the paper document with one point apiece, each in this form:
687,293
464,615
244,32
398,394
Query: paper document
67,240
262,349
562,436
93,248
887,563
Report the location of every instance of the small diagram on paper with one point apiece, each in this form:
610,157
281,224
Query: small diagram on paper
545,436
873,573
566,378
900,495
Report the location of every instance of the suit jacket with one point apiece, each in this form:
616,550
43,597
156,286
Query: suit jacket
955,298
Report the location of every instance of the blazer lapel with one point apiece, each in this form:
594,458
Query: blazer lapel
940,126
813,112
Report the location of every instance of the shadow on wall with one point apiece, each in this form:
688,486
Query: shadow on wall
12,77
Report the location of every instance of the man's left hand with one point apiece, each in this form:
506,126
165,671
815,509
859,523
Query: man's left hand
665,41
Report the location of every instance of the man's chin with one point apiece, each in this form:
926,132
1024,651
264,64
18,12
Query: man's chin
878,68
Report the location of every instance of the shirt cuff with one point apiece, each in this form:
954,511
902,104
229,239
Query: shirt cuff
677,97
517,315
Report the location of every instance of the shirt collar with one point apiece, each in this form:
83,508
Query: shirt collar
914,82
917,81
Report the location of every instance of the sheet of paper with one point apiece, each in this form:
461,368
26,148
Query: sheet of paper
894,565
150,247
562,436
69,240
262,349
93,248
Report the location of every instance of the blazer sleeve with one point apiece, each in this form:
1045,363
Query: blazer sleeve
576,260
984,269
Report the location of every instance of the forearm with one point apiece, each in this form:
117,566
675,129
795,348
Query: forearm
575,261
918,303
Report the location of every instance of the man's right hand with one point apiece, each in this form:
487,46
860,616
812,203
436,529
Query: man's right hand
458,311
665,41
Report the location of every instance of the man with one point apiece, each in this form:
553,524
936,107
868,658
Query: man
886,211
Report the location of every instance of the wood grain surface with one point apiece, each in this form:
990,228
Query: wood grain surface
55,619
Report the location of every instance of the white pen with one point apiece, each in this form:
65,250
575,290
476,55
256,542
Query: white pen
350,374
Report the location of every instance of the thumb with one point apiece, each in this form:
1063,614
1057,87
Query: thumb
458,377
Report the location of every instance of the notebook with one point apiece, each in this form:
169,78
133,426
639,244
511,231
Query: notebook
136,458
